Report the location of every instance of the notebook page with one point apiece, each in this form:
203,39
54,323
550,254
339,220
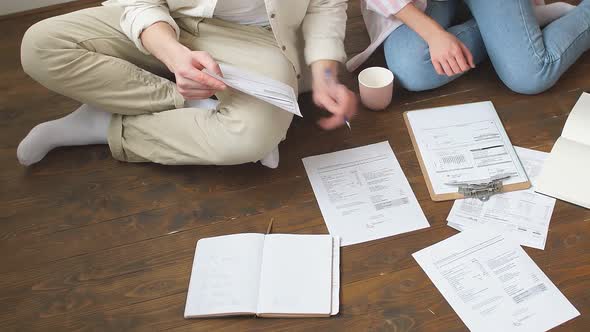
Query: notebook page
578,121
225,275
296,277
336,276
565,173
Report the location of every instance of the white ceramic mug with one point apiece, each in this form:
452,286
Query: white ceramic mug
376,87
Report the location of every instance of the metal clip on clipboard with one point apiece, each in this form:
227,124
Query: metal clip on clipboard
481,190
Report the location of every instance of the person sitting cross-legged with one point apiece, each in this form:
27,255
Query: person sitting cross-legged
136,65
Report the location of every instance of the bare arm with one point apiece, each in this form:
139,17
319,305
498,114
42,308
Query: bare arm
424,26
449,55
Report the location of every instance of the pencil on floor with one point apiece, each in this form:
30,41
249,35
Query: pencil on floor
269,228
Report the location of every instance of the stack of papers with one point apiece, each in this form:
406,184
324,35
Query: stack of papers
463,144
492,283
525,214
363,194
271,91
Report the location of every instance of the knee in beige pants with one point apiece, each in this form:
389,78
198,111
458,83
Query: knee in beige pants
244,129
258,135
85,56
35,42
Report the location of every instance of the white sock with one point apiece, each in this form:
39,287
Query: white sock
548,13
272,160
86,125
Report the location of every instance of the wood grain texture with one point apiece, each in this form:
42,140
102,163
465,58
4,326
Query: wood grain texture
88,243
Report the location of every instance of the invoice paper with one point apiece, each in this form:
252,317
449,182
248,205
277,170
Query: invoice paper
264,88
524,213
363,194
464,143
492,284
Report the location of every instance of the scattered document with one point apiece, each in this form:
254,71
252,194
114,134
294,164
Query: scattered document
492,284
524,213
264,88
463,143
363,194
276,275
566,174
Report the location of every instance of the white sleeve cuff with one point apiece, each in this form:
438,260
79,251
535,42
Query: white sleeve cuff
135,20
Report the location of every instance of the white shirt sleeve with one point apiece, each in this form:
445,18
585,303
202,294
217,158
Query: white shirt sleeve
141,14
324,28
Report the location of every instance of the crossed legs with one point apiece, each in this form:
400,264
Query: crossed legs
85,56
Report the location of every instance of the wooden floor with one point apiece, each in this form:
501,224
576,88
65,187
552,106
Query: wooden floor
89,243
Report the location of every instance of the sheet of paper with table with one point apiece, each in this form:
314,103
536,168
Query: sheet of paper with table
363,194
566,174
264,88
492,284
463,144
523,213
276,275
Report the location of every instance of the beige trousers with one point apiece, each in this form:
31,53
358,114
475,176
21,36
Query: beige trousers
85,56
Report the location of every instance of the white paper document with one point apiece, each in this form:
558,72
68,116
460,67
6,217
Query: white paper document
264,88
492,284
363,194
464,143
523,213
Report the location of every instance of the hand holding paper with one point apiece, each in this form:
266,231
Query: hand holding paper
271,91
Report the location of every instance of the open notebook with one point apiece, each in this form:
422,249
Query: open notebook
276,275
565,174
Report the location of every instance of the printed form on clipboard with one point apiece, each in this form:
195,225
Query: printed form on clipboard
464,144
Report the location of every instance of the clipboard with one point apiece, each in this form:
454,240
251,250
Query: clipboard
424,169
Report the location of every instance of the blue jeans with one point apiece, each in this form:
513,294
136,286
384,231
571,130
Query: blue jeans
527,59
408,55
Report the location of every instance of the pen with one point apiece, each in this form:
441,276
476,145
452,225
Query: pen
330,79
